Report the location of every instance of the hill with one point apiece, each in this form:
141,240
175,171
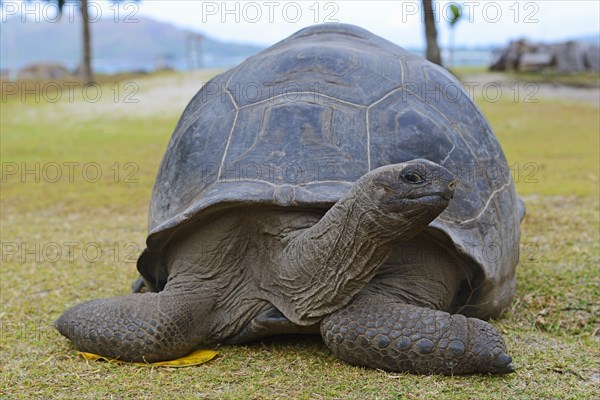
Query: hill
116,46
593,38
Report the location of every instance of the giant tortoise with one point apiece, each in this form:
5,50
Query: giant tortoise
336,184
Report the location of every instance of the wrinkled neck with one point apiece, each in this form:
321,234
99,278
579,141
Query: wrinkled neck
323,266
358,217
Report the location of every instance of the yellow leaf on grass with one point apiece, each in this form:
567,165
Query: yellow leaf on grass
194,358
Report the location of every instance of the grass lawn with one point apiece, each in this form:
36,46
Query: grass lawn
76,181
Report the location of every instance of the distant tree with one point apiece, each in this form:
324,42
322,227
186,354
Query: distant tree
433,50
456,11
86,65
86,71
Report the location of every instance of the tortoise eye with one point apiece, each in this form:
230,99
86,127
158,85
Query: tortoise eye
412,177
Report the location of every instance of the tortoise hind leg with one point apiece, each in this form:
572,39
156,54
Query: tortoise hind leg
379,332
145,327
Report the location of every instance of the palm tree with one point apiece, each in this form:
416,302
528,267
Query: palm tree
433,50
86,65
456,16
86,70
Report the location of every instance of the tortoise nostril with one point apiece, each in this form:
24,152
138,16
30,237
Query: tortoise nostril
452,185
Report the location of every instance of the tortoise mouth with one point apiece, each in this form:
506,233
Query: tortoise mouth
434,200
436,196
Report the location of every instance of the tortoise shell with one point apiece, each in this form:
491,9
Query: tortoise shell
297,124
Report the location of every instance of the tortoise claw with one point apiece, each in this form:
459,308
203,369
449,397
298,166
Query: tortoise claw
503,364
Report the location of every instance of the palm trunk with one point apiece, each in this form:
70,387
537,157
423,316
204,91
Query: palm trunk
86,65
433,51
452,47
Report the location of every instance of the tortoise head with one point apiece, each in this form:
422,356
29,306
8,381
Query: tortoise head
414,189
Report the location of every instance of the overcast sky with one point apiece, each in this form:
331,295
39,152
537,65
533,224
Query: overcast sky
485,22
265,22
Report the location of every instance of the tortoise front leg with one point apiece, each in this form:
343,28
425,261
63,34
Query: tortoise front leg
321,268
145,327
378,332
